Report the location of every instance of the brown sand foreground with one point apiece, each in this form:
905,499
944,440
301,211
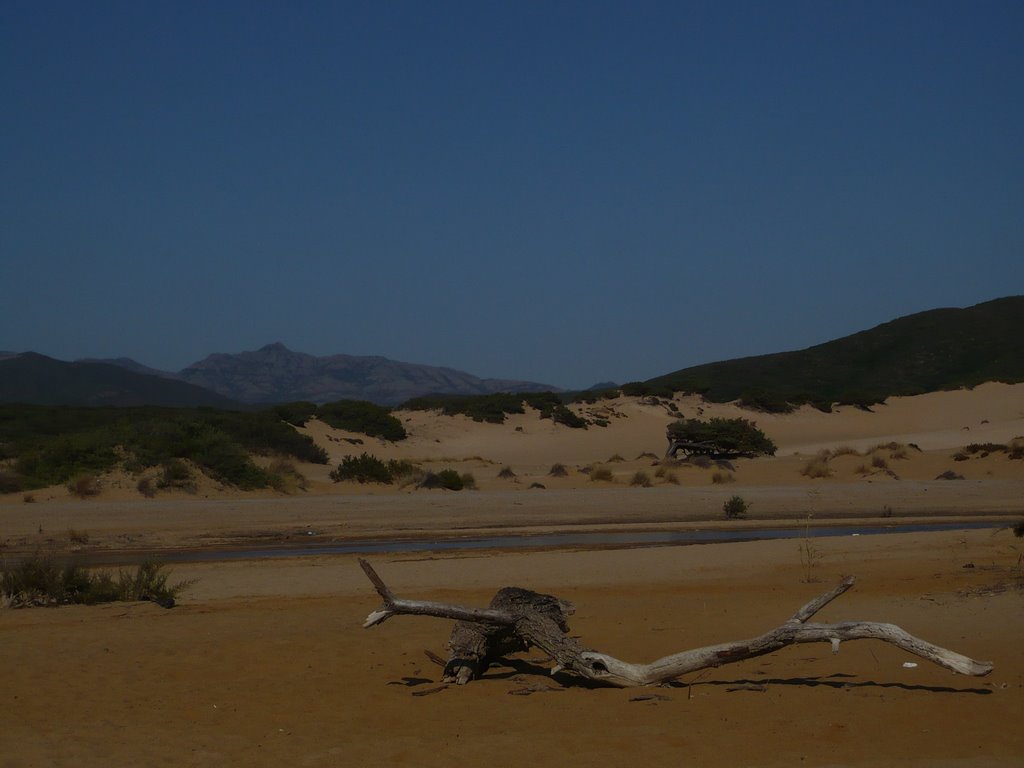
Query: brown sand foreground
266,664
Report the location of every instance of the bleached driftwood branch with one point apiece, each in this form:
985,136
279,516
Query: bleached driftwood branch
545,628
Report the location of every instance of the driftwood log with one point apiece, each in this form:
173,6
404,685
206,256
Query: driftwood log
518,619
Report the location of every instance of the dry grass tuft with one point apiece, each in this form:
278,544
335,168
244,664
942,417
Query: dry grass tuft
641,479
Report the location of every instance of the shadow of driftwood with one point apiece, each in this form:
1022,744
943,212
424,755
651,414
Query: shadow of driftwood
842,682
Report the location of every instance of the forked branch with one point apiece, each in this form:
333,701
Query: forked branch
535,628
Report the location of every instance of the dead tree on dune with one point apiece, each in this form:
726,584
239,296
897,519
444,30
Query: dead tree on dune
519,618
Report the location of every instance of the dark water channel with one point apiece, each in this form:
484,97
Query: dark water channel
554,540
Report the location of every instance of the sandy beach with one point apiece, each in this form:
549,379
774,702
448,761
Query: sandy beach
264,661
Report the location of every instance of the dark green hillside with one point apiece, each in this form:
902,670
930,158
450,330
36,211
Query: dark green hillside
40,380
936,350
46,445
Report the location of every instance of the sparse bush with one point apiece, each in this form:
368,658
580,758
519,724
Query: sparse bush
506,473
818,467
862,469
558,470
10,481
363,469
401,469
647,455
28,498
615,459
537,485
701,462
468,481
641,479
720,478
845,450
949,474
40,580
960,456
660,471
146,488
1016,449
671,478
735,508
602,474
447,479
285,478
1018,529
176,474
78,537
879,462
899,453
84,485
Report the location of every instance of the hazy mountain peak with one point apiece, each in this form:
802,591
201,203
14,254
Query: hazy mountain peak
274,373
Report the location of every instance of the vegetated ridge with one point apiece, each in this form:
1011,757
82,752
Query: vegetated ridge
39,380
940,349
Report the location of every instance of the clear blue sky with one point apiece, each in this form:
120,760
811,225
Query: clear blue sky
556,191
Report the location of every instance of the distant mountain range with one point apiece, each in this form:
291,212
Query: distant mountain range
925,352
276,374
271,374
929,351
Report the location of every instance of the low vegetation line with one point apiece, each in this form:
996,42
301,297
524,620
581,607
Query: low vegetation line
40,580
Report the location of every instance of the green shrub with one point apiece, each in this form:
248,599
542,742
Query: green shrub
559,414
297,413
363,417
721,437
363,469
52,444
495,407
768,402
735,508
